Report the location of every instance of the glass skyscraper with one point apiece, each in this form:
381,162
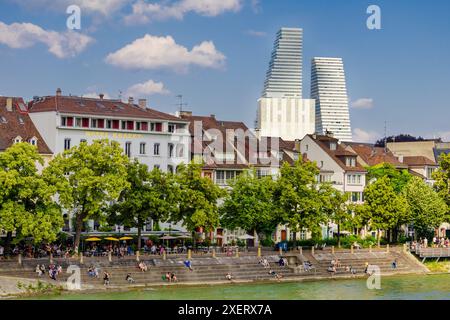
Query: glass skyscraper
328,88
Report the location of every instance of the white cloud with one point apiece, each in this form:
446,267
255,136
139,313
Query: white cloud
144,12
255,33
103,7
152,52
363,103
359,135
147,88
61,44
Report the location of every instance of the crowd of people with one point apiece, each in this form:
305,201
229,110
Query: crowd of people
53,270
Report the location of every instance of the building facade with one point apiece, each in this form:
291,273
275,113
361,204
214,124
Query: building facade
154,138
329,90
282,111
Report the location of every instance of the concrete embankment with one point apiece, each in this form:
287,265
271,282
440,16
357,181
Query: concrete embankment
212,270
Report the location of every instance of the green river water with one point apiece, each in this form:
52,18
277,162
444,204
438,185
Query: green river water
427,287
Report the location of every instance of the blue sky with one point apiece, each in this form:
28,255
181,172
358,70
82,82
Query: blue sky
216,53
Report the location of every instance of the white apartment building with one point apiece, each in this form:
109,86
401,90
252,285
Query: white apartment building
329,90
281,111
337,166
157,139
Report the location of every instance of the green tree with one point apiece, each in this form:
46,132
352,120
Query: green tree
26,199
249,204
152,195
384,208
300,197
197,199
398,178
88,177
427,209
442,177
335,206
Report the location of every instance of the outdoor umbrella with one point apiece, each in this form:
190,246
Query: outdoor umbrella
93,239
112,239
184,237
168,238
126,238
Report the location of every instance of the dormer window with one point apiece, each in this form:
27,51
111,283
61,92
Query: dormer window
33,141
333,146
18,139
350,161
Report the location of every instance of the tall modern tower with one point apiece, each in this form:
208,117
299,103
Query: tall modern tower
329,90
281,110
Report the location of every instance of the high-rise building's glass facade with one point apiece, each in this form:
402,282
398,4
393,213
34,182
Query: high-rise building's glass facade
328,88
284,77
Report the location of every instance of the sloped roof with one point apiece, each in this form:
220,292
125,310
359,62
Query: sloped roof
100,107
338,154
418,161
375,155
18,123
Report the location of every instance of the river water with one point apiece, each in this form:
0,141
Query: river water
427,287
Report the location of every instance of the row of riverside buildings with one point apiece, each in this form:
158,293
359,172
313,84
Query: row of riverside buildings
56,123
288,127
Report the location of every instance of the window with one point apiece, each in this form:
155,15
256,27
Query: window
101,123
130,125
85,122
354,179
170,168
333,146
172,127
83,141
307,147
430,172
142,148
78,122
171,149
66,144
220,177
180,151
156,127
356,197
262,173
124,125
128,149
115,124
18,139
94,123
109,124
350,161
156,149
33,141
67,121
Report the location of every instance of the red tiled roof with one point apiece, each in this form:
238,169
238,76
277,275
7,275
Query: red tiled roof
375,155
100,107
18,123
324,143
419,161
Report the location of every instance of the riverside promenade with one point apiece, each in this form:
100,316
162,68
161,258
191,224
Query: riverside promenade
211,268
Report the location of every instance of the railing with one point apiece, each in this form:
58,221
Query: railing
433,252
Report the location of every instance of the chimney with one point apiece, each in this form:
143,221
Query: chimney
101,95
400,158
130,100
9,103
58,92
181,114
297,145
143,103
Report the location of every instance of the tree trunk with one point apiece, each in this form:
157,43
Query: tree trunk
78,227
140,226
8,243
339,235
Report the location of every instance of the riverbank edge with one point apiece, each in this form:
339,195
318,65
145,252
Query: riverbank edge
113,289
